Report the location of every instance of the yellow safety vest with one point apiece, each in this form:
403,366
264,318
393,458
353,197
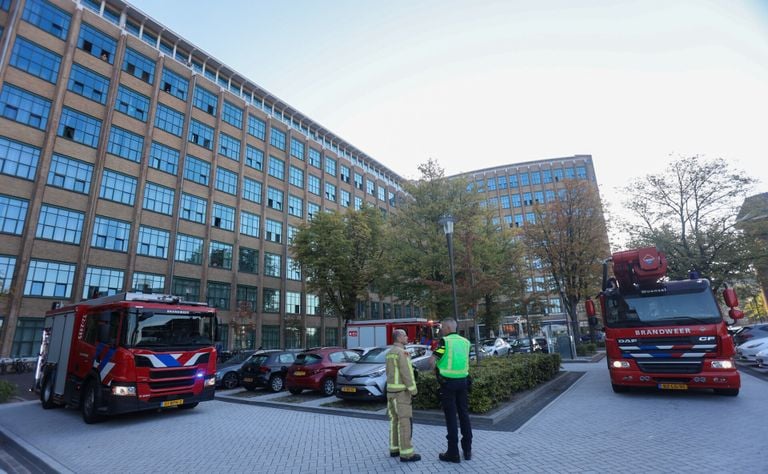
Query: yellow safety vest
399,371
454,362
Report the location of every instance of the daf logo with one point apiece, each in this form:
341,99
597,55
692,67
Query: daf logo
706,338
649,259
626,341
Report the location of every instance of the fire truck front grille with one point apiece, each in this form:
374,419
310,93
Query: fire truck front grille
171,373
172,384
671,367
669,355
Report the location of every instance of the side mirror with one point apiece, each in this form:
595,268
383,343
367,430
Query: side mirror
589,305
735,314
731,300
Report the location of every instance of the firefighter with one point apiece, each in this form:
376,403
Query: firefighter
401,387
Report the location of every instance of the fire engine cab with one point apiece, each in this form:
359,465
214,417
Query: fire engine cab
127,352
378,332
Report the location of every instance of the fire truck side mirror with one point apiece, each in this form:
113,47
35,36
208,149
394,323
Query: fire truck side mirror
589,305
731,300
735,314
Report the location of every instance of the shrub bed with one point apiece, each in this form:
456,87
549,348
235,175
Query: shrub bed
6,390
586,349
495,381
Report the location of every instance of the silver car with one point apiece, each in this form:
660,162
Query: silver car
366,379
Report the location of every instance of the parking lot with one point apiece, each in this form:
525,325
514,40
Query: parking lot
587,429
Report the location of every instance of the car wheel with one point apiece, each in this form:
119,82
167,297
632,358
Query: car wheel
90,402
276,383
730,392
295,391
230,380
328,387
620,388
188,406
46,394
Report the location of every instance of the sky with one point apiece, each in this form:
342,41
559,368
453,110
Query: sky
483,83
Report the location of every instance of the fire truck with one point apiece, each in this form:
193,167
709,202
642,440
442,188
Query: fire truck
661,333
127,352
378,332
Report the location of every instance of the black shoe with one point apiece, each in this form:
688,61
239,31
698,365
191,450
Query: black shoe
450,457
414,458
467,455
394,454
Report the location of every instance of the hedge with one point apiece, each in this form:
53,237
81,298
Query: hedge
6,390
495,381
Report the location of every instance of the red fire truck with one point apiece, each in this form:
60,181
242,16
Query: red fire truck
127,352
665,334
378,332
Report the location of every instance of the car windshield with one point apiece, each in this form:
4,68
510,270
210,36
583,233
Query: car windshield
523,342
258,359
157,329
690,307
307,359
375,356
489,342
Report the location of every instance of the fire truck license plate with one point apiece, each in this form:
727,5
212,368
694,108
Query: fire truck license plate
673,386
299,373
349,389
172,403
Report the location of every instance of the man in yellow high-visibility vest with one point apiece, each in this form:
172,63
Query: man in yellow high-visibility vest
401,387
451,359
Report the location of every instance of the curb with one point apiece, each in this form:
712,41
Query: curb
31,456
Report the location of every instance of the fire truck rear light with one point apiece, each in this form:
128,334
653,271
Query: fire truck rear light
722,364
124,390
620,364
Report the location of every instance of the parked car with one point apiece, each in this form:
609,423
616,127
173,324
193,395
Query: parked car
523,345
543,346
762,358
316,369
750,332
266,369
748,351
226,373
473,355
367,378
496,347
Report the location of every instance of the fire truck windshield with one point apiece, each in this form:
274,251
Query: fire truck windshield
667,309
165,329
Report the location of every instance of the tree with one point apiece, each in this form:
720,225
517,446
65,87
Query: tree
689,211
341,257
568,236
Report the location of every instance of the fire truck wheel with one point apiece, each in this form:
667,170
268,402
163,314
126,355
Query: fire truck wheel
276,383
328,387
89,403
620,388
731,392
230,380
188,406
46,394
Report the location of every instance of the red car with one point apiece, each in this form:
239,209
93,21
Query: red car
315,369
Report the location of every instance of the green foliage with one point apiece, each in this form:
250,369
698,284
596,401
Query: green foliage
7,389
495,381
586,349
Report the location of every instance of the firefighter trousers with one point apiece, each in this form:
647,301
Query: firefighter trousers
400,423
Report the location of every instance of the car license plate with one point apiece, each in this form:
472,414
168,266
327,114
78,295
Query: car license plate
247,379
172,403
299,373
349,389
673,386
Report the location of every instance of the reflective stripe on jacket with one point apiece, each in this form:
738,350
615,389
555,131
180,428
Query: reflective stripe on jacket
400,371
454,358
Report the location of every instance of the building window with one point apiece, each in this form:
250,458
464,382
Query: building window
102,282
158,198
295,206
139,66
528,199
152,242
524,179
257,127
581,172
79,127
313,184
312,210
513,181
96,43
61,225
169,120
223,217
557,173
247,297
297,148
250,224
382,193
516,201
226,181
27,337
175,84
18,159
35,60
270,337
47,17
163,158
538,197
546,176
370,187
84,82
201,134
344,173
273,231
49,279
254,158
189,249
219,294
148,283
110,234
186,287
205,100
220,255
13,214
550,196
248,260
118,187
272,264
391,199
24,107
359,181
197,170
233,115
292,231
252,190
276,168
292,302
69,173
313,304
277,138
275,198
569,173
271,300
518,220
296,177
7,267
314,158
358,203
292,269
132,103
330,192
345,198
330,166
535,177
125,144
229,146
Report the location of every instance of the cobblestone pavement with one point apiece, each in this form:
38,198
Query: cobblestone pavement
587,429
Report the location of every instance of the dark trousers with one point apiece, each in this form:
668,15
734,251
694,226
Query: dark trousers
455,402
